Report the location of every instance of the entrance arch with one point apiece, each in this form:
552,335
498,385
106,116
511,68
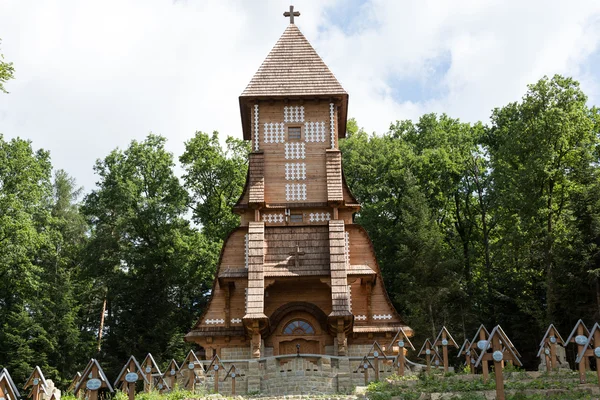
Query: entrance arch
298,324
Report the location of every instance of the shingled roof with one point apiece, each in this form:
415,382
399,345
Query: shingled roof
293,69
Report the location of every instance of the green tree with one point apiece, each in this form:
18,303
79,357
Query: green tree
154,269
215,178
6,72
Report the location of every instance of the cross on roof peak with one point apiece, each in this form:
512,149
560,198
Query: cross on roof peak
291,14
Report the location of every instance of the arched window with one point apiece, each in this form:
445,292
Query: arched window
298,327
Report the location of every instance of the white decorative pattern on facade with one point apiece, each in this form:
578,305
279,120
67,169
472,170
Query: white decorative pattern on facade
246,257
332,124
318,217
256,128
293,114
294,151
295,171
274,132
295,191
273,218
314,131
360,317
347,250
386,316
214,321
236,321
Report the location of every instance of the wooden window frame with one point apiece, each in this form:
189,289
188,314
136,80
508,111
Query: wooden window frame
299,139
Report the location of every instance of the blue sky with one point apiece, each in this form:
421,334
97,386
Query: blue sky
92,76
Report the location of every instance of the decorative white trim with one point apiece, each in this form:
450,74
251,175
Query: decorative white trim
360,317
332,124
386,316
293,114
274,132
256,129
295,191
294,151
214,321
246,249
318,217
295,171
245,300
347,248
236,320
314,131
273,218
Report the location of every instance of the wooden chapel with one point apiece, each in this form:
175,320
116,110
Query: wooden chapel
297,271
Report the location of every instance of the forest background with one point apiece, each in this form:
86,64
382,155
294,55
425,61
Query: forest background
472,224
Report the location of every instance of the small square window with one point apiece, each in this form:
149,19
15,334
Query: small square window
294,133
296,218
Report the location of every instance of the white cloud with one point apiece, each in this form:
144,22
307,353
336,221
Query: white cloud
91,76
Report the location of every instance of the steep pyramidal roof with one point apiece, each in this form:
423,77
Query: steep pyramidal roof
293,68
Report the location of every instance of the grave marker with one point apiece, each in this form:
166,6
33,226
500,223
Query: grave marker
579,336
150,371
402,340
231,374
477,344
502,349
548,347
469,353
37,383
74,382
91,380
365,364
428,350
189,365
445,339
128,377
8,389
215,365
591,348
162,385
170,375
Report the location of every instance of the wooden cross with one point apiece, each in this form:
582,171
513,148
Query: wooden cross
291,14
297,253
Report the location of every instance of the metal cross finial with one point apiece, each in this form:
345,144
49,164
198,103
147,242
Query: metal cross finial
291,14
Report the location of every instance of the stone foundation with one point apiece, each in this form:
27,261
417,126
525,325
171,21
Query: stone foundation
300,375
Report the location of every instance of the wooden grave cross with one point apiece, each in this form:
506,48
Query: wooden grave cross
150,371
402,340
8,389
479,343
129,375
190,364
470,355
579,336
445,339
365,364
510,345
548,347
591,348
291,14
215,365
428,350
502,349
92,380
37,383
231,374
171,373
377,352
74,382
162,385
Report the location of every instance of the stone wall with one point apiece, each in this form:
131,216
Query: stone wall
235,353
303,375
